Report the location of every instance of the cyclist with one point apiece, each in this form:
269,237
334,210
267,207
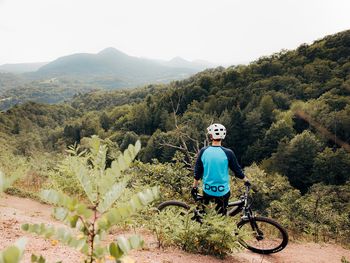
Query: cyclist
212,167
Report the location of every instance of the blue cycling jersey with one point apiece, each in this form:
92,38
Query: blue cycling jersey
212,166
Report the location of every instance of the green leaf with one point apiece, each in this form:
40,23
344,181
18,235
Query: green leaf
104,223
11,255
123,211
82,174
33,258
107,180
41,260
137,146
25,227
115,251
135,203
85,248
143,198
127,158
100,251
123,244
61,234
121,163
58,198
95,144
136,241
111,196
132,151
60,213
155,191
14,253
82,210
36,259
115,169
73,221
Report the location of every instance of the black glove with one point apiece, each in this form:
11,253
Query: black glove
247,183
194,192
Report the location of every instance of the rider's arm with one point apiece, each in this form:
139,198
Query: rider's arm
234,166
198,169
195,183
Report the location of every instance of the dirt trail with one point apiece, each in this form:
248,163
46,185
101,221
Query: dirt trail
15,211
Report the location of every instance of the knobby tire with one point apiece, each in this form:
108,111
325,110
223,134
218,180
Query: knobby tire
172,203
257,246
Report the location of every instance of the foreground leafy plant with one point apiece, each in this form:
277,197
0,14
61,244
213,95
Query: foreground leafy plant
14,253
102,187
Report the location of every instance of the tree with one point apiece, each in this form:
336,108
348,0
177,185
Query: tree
71,133
331,167
253,130
105,121
266,108
295,159
279,130
128,138
90,125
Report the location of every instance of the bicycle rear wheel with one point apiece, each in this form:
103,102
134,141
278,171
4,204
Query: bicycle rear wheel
173,204
269,237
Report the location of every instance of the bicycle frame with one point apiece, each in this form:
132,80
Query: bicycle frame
236,206
248,218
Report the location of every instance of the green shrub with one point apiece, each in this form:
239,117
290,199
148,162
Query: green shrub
173,178
322,213
214,236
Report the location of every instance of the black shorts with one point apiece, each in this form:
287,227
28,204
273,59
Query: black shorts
221,202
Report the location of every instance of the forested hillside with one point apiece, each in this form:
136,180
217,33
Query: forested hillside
258,103
288,112
110,69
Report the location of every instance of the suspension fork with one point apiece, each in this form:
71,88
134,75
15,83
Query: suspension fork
259,233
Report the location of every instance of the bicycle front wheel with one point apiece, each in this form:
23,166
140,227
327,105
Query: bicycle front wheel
262,235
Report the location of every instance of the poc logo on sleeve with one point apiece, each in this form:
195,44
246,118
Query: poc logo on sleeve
214,188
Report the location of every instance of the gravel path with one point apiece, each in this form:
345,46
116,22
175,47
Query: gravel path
15,211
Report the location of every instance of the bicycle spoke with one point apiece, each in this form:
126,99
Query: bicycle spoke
266,238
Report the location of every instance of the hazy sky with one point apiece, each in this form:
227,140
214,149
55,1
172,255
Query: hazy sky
221,31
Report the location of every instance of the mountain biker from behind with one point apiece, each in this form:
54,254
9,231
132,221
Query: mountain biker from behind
212,167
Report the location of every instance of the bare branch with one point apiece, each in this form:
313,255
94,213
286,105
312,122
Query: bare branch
172,146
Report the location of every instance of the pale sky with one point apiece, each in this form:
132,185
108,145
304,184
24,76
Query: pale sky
220,31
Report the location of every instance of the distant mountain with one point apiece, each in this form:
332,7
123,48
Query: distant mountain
21,67
79,73
112,68
183,63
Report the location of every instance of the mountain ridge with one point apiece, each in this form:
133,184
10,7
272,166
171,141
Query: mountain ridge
109,68
111,63
21,67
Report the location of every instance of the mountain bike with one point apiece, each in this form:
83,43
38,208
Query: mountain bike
260,234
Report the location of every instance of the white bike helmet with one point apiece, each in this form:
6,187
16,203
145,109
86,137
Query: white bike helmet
217,131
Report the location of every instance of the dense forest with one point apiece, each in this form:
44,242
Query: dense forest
287,117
